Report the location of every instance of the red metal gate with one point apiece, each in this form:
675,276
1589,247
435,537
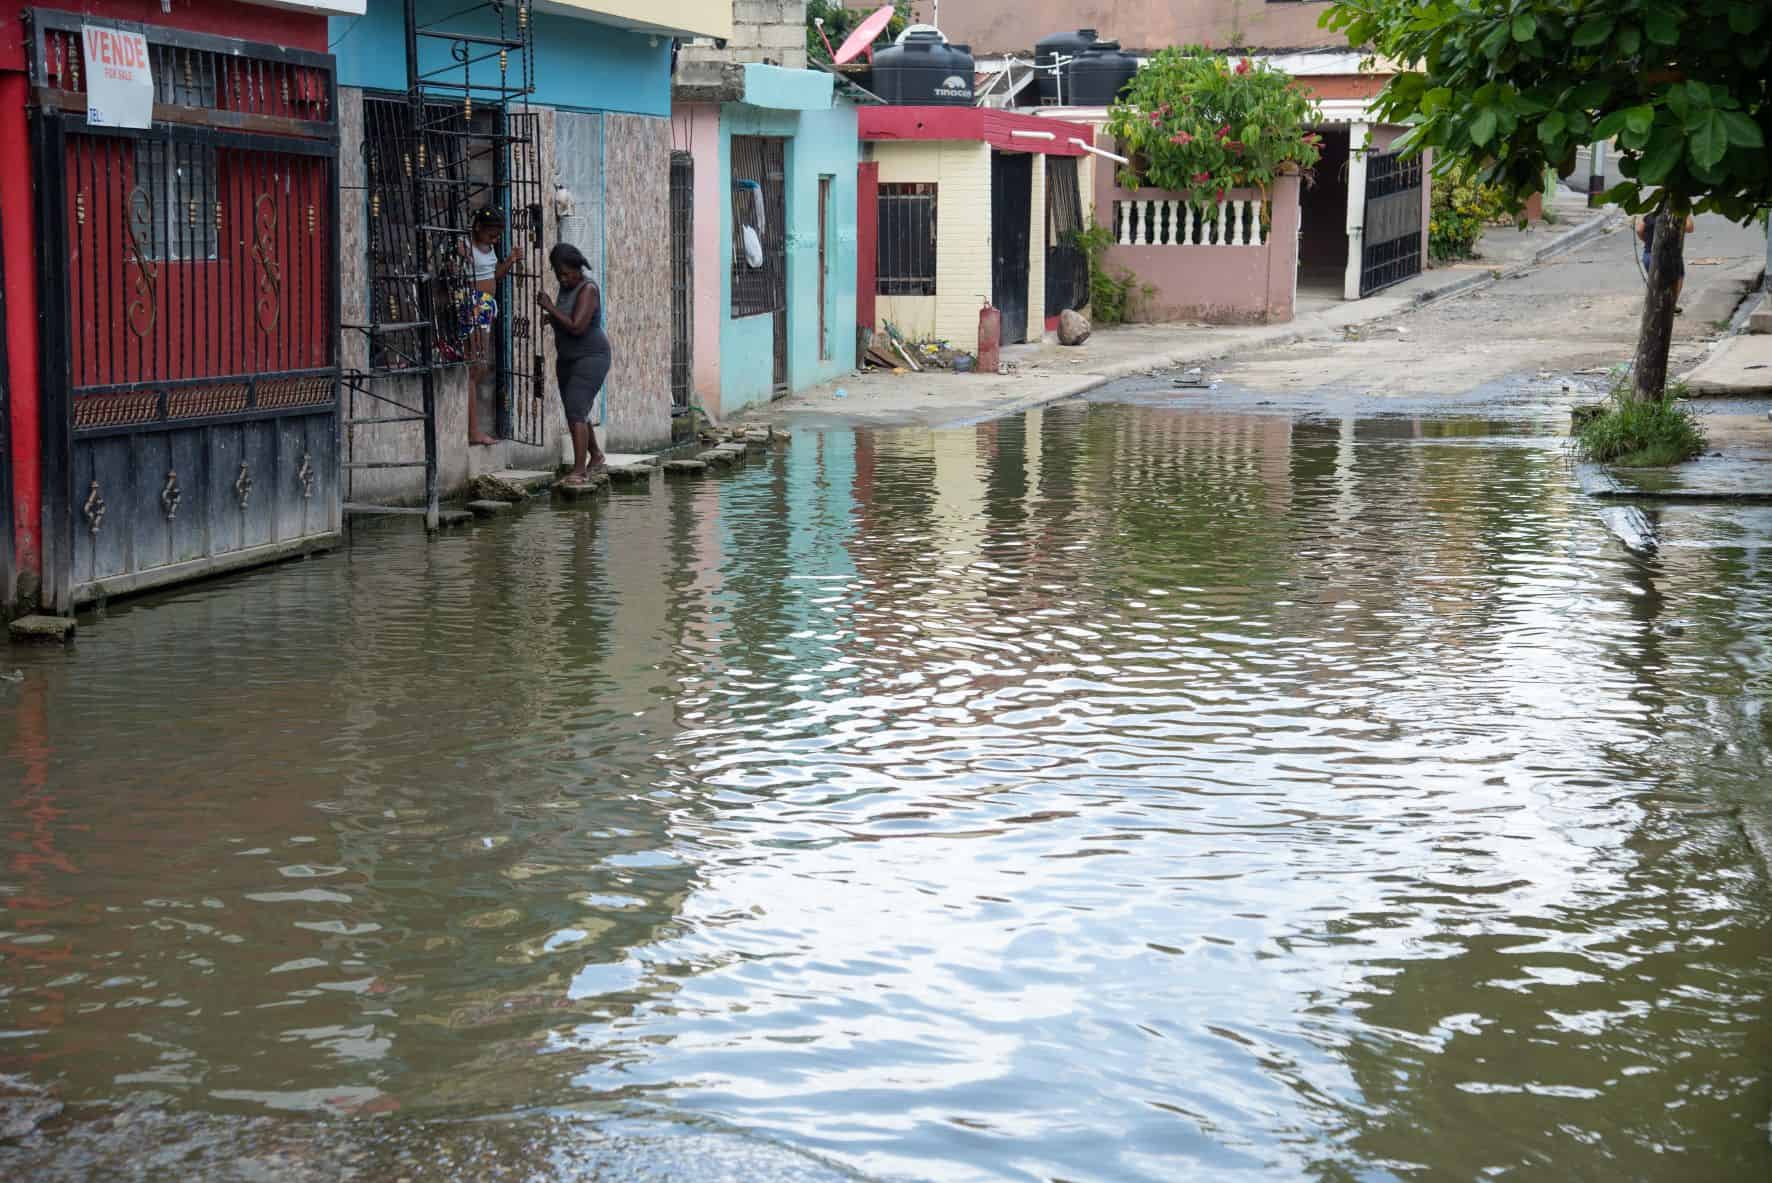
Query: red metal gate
189,289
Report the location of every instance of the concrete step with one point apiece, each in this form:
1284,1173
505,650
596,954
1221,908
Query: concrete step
1760,321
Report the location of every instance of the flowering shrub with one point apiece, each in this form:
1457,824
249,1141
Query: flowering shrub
1459,208
1193,122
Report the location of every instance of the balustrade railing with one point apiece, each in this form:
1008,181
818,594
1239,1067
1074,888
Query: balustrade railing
1158,222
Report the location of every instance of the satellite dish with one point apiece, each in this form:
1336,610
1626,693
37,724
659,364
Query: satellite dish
862,39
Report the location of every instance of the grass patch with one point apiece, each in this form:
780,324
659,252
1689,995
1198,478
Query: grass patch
1633,434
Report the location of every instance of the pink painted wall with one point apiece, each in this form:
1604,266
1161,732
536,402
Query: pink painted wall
1215,284
695,128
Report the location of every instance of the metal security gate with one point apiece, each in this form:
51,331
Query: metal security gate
1067,268
759,204
1391,239
521,382
189,290
682,279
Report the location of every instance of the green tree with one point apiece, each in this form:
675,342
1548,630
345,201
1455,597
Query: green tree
1517,85
840,21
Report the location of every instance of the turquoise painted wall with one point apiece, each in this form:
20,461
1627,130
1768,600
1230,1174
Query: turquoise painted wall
579,64
822,142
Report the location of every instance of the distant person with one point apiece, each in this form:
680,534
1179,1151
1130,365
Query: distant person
583,354
480,307
1646,232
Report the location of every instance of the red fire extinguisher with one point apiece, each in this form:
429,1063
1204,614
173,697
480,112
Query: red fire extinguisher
990,335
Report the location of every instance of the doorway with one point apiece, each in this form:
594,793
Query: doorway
824,266
1012,189
1322,219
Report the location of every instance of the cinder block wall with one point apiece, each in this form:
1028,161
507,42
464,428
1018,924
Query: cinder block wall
768,32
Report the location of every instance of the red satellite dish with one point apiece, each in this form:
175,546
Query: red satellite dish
862,39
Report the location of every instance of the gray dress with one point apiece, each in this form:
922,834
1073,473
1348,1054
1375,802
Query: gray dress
582,360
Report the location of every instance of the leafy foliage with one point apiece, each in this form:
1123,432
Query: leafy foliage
1520,84
839,22
1194,123
1110,292
1642,433
1461,206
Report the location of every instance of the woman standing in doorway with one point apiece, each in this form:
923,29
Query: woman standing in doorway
583,354
480,309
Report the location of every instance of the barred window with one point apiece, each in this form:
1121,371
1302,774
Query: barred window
905,254
759,233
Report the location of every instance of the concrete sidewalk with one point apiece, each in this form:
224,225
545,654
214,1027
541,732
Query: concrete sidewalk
1044,372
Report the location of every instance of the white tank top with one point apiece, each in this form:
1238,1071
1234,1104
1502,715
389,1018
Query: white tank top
485,261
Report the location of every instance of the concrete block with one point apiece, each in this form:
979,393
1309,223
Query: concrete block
685,467
453,517
630,474
486,509
590,488
42,630
1760,321
717,458
784,36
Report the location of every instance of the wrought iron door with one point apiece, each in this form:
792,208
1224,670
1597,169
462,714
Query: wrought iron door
682,278
189,288
1067,268
522,383
1392,235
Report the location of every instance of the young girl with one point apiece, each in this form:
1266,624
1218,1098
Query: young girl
480,309
583,354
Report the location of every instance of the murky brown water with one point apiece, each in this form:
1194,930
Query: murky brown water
1114,793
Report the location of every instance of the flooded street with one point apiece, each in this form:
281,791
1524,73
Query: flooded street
1121,791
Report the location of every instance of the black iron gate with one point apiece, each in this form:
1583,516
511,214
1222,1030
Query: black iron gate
1067,268
521,384
189,291
1392,234
682,279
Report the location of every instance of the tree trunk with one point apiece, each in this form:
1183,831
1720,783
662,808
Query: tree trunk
1656,330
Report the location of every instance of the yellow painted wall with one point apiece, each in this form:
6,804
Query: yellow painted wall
961,170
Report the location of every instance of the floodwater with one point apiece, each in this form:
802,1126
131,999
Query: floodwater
1117,792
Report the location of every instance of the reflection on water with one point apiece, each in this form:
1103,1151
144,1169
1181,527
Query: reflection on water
1112,792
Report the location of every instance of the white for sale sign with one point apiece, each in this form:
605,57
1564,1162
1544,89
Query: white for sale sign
119,80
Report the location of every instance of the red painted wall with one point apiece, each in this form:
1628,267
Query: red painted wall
867,240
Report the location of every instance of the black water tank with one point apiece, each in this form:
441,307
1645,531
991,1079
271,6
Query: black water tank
1098,75
924,71
1047,51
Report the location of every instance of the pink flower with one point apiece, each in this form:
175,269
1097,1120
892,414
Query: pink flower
1225,130
1243,66
1220,196
1165,109
1182,138
1155,119
1202,178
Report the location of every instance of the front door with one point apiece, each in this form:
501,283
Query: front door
824,265
190,315
1012,188
1392,236
1067,268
